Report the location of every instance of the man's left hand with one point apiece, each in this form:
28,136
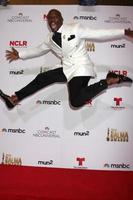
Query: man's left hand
129,33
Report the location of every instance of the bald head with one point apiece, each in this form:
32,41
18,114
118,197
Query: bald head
55,11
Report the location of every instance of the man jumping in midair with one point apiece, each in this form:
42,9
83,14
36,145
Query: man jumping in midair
67,41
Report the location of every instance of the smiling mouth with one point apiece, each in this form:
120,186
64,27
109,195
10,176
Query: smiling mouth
53,26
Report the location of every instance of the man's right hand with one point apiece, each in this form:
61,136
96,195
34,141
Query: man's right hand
12,55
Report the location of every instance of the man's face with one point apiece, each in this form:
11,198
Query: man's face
55,20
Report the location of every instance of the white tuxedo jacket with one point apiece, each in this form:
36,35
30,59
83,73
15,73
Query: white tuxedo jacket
74,56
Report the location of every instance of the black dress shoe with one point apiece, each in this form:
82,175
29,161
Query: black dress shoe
7,100
122,78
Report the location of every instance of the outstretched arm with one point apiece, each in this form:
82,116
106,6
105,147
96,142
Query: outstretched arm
101,35
28,53
12,55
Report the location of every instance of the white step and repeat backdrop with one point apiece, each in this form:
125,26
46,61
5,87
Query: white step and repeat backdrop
43,130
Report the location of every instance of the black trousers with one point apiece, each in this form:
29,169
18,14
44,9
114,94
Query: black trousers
79,91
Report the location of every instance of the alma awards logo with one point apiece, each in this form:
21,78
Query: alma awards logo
90,46
8,159
113,135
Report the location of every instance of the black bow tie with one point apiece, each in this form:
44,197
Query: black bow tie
57,38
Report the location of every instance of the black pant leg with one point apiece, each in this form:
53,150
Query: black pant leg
80,92
42,80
